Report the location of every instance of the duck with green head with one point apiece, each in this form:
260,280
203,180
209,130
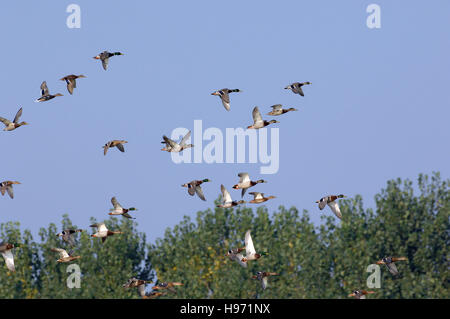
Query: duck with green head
250,252
194,187
119,210
104,57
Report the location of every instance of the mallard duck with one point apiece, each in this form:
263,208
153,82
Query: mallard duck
64,257
297,87
67,235
172,146
259,198
360,294
250,252
114,143
262,277
225,97
277,109
226,199
194,187
103,232
139,283
167,285
10,126
389,262
245,183
8,186
45,93
119,210
71,81
235,255
104,56
258,122
330,201
6,251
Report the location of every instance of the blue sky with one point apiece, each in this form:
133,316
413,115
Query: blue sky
377,108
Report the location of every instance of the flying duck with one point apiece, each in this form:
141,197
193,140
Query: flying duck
71,81
119,210
331,202
297,87
104,57
194,187
245,183
65,257
277,109
263,276
172,146
225,97
103,232
45,93
227,202
67,235
114,143
8,186
259,198
250,252
389,262
9,126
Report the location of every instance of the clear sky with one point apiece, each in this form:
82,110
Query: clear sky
377,109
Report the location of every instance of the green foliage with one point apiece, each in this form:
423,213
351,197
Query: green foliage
104,267
313,261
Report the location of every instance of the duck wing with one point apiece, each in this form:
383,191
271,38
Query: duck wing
44,89
392,268
115,203
249,248
5,121
257,118
18,115
225,97
185,138
9,259
62,252
199,192
335,208
120,147
226,197
10,191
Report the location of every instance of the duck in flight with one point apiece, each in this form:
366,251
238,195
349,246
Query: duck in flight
114,143
331,202
45,93
8,187
277,109
227,202
119,210
172,146
245,183
225,97
195,188
297,87
10,126
71,81
104,57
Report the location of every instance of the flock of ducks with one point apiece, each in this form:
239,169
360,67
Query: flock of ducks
193,187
